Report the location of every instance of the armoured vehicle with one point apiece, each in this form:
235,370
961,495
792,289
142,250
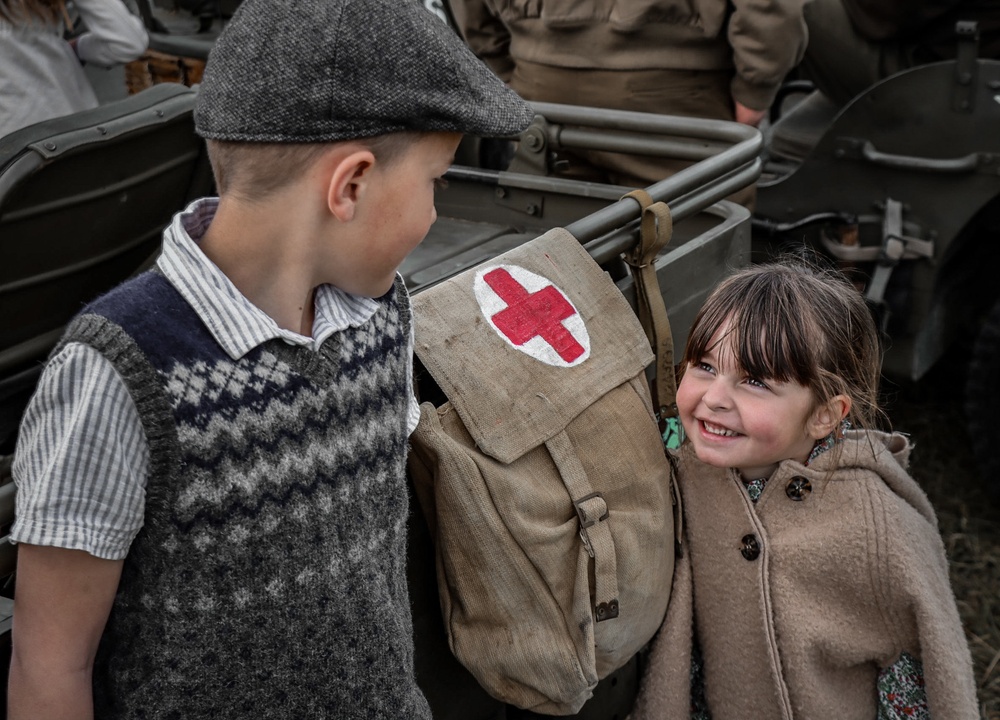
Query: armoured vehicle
901,187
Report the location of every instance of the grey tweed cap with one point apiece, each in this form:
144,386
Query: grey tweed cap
288,71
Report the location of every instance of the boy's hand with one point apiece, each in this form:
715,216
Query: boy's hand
61,605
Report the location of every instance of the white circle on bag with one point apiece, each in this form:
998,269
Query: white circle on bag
532,315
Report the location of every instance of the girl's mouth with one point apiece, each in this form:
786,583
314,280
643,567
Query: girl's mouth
718,430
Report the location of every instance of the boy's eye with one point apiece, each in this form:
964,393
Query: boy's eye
757,383
704,367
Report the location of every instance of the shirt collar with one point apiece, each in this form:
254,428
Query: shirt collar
236,323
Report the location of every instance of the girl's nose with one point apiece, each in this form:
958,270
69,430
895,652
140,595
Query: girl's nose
717,395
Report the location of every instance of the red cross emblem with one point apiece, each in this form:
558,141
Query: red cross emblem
537,314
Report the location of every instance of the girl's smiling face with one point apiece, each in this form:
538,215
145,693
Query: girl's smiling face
749,423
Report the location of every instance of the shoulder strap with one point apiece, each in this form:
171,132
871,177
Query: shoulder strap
655,232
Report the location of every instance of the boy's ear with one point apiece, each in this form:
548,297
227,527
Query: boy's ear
828,416
348,175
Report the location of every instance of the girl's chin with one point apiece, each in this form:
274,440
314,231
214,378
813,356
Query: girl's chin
709,457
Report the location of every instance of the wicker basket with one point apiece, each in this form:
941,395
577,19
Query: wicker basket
155,67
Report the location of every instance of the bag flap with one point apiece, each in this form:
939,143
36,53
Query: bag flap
523,343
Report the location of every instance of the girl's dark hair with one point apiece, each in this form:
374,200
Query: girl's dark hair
22,11
794,320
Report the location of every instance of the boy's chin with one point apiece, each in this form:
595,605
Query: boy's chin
374,290
379,291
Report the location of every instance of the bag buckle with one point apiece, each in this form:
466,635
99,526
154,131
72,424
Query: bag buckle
598,512
606,610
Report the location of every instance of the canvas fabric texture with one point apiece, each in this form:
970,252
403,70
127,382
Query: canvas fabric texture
543,478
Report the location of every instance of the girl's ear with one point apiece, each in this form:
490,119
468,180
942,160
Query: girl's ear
828,416
348,175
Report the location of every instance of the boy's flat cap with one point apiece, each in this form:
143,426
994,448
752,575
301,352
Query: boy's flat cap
289,71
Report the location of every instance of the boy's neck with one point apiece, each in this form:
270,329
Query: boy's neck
257,249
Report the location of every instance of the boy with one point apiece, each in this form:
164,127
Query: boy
211,474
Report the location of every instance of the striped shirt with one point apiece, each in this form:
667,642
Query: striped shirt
82,456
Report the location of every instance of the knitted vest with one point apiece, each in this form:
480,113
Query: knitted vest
268,579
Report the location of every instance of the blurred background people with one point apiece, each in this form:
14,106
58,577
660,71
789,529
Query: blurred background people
694,58
855,43
41,74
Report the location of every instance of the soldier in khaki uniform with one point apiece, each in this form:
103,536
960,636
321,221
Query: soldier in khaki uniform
855,43
695,58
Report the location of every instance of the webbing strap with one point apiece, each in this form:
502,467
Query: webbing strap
595,530
655,232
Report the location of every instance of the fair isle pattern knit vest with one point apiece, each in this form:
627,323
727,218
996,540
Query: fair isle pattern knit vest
269,577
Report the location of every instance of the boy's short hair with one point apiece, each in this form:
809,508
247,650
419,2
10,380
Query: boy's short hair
255,170
318,71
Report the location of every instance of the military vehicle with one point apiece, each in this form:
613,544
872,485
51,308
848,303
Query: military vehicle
901,187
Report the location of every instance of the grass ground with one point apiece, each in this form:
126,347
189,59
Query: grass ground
931,412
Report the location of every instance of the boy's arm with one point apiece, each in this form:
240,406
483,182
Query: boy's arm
61,605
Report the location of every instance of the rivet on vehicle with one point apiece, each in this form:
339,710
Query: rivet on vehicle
531,209
50,146
501,192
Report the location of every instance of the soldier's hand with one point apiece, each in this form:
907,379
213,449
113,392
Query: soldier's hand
748,116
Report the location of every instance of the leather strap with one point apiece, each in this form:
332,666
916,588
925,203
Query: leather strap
655,231
595,530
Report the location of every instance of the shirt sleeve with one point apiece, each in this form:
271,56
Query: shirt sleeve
902,694
81,460
480,25
113,36
768,39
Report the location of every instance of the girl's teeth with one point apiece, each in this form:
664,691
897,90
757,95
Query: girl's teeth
716,430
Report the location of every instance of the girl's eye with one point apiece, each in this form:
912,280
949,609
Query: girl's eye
440,183
758,383
704,367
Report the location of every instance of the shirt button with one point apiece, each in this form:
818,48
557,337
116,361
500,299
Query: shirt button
750,547
798,488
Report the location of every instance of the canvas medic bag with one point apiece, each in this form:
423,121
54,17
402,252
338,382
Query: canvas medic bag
543,478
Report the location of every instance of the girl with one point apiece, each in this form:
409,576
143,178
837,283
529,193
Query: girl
813,581
40,72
